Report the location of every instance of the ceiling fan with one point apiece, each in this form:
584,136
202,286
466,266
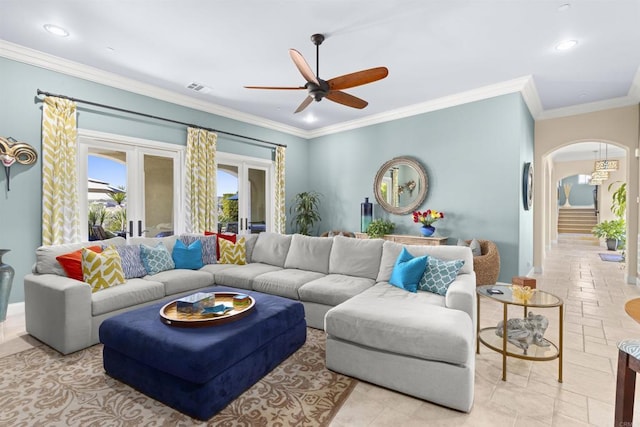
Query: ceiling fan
330,89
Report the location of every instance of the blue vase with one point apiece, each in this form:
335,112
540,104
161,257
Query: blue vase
427,230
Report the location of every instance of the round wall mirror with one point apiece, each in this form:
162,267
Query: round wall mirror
400,186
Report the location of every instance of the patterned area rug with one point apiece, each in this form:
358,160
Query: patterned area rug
41,387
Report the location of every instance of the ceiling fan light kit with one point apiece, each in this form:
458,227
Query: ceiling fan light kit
331,89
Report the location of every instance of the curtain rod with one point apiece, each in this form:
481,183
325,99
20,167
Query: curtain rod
40,92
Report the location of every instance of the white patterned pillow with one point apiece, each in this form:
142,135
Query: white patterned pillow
102,270
233,253
156,259
209,244
132,265
439,275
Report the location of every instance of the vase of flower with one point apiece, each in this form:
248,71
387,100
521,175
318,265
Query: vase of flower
427,230
6,279
426,219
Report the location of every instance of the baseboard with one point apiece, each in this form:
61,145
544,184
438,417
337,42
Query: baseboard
15,308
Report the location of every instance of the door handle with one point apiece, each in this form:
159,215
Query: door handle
131,228
139,228
246,223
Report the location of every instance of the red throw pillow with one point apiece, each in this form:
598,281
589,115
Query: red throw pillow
72,262
226,236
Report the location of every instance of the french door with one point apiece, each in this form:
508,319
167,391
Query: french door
152,175
245,194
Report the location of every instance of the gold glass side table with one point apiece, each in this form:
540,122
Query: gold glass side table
488,337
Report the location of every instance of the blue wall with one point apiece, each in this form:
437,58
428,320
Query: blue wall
580,194
473,154
20,117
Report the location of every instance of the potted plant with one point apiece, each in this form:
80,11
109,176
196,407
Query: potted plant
611,230
380,227
305,211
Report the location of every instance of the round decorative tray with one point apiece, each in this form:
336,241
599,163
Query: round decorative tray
169,313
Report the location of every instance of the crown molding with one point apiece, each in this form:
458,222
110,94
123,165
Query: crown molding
522,84
85,72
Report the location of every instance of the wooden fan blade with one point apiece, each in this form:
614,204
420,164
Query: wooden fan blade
275,87
346,99
304,104
358,78
303,67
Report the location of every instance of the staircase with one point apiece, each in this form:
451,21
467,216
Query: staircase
575,224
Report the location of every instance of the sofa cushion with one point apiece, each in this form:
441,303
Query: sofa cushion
250,243
46,262
180,280
356,257
271,248
408,270
439,275
214,269
242,276
284,283
156,259
209,246
102,270
132,292
333,289
309,253
391,250
476,250
187,256
72,262
387,318
132,265
233,253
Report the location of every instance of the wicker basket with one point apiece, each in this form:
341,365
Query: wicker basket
487,265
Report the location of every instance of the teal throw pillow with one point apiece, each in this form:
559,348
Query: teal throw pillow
209,246
439,275
408,270
187,257
156,259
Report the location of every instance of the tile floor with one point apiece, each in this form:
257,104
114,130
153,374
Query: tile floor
594,292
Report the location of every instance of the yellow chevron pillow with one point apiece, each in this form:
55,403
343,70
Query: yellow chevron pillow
232,253
103,270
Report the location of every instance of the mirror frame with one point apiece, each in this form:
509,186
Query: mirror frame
422,177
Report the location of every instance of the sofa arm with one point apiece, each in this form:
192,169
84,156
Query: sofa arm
461,295
58,311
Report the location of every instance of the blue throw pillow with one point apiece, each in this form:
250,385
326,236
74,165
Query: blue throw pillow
156,259
408,270
187,257
439,275
132,265
209,246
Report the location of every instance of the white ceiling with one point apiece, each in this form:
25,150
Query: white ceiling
588,151
433,49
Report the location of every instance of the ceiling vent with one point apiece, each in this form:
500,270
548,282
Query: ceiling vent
200,88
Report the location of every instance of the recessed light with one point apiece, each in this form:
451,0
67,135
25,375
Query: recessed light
567,44
56,31
564,7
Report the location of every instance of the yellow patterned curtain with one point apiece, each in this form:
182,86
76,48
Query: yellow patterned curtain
60,211
280,223
201,198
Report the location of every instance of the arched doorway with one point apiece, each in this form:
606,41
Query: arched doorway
565,171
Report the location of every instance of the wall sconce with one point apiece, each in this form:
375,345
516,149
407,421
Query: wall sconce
12,151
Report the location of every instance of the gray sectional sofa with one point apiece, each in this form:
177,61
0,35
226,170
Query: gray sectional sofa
417,343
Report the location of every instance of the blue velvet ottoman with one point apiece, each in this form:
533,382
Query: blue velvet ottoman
198,371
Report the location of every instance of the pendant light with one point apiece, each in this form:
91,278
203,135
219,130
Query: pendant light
606,165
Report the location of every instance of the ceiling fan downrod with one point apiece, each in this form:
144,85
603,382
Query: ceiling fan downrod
317,39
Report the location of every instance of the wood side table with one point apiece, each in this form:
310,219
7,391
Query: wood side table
407,239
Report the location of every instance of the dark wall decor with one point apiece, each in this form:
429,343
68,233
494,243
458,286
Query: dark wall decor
527,186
